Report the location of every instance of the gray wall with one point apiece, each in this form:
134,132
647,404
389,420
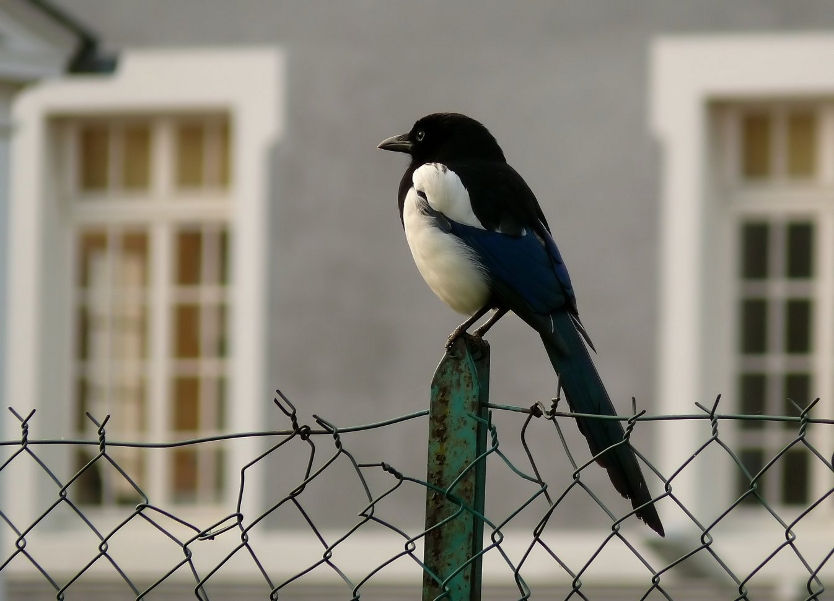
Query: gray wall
356,334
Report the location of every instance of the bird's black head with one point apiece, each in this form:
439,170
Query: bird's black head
442,137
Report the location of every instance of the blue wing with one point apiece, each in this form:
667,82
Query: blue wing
527,270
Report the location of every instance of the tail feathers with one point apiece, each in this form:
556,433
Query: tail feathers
585,393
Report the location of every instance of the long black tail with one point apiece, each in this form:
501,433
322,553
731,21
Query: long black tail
586,394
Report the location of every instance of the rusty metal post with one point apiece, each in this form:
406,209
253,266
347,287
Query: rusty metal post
459,391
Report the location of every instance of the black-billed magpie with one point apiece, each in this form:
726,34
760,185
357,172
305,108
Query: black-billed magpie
481,242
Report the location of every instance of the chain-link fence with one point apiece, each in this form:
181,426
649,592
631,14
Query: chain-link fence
752,547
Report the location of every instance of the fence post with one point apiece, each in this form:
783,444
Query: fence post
459,390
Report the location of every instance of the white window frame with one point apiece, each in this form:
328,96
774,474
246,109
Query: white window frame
696,326
245,83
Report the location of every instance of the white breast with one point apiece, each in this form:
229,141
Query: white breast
445,193
448,266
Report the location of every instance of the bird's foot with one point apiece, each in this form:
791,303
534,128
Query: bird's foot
476,345
456,333
478,333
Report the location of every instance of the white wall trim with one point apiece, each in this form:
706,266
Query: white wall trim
246,82
687,73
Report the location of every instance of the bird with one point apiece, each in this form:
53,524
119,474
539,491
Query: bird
481,242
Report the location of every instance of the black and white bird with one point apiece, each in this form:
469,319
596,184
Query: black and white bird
481,242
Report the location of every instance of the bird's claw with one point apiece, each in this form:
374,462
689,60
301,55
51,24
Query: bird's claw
479,332
457,333
474,338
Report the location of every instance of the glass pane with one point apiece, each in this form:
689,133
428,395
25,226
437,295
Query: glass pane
93,255
753,460
754,325
190,156
128,398
753,394
187,404
129,340
82,404
802,144
219,472
121,491
798,390
756,134
94,157
133,265
187,329
800,250
92,397
221,403
216,344
87,489
184,475
754,250
795,468
136,161
214,256
223,175
798,325
83,334
224,256
189,257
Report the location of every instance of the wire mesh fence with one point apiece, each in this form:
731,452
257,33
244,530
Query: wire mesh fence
723,549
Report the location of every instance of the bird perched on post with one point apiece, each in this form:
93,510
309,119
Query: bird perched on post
481,242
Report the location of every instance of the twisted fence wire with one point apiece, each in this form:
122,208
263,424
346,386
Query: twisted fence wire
325,437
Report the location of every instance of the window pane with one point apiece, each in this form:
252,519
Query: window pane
800,250
798,326
87,488
795,477
754,326
753,389
223,175
94,157
94,401
187,404
221,403
82,333
187,329
211,403
756,135
753,460
798,390
128,401
93,255
136,160
133,266
189,257
219,466
129,328
216,344
120,490
802,144
190,156
224,256
82,404
184,475
754,247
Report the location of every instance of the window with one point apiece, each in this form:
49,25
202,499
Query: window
778,203
746,258
176,170
138,259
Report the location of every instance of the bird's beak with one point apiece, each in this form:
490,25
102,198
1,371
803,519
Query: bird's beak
399,143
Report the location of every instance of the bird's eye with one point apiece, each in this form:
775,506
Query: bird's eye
419,135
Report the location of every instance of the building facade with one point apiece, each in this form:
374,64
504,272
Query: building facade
212,221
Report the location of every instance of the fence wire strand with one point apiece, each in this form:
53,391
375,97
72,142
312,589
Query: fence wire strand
325,448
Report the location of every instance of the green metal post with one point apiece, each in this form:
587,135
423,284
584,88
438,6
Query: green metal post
459,390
